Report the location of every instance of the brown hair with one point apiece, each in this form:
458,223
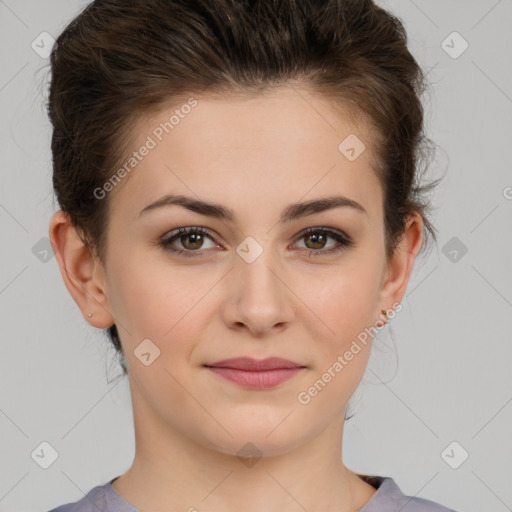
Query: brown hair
118,60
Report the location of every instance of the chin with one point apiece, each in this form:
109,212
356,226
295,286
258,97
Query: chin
249,441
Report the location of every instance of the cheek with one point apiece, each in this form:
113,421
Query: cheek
149,295
168,306
347,300
347,306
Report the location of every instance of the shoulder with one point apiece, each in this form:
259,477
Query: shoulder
389,497
93,501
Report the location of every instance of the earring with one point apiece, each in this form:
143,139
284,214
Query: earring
89,315
382,323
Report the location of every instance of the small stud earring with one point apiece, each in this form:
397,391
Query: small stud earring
89,315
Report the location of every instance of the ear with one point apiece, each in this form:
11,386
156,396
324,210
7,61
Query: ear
399,267
83,274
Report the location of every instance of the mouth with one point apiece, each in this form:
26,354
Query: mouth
254,373
251,364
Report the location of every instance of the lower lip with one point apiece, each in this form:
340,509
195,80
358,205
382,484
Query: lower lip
256,379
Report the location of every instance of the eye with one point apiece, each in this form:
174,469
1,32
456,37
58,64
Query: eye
317,237
190,238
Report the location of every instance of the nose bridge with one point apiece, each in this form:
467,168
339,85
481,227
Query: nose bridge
261,299
254,264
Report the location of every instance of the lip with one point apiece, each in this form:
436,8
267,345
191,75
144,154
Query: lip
254,373
251,364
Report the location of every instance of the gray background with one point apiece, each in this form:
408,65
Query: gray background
442,372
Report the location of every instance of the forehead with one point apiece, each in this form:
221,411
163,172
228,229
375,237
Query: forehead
245,151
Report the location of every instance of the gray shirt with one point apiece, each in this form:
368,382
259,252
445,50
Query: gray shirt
388,498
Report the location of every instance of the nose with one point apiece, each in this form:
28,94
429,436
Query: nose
258,299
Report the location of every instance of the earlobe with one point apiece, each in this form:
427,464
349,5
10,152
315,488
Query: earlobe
400,265
80,272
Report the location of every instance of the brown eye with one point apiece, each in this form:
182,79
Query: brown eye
316,239
190,239
196,240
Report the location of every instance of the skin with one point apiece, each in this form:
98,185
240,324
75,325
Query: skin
189,422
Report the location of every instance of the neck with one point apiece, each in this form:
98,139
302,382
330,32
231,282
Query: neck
171,471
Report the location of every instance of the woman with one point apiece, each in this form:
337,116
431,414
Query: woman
241,210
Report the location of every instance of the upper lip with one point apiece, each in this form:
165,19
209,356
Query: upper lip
249,363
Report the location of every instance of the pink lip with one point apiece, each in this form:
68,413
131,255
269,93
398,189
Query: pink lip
256,373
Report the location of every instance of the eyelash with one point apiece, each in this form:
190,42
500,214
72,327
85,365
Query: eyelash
344,242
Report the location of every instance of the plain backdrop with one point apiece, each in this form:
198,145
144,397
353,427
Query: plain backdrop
437,390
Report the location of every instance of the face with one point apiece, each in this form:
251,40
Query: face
255,283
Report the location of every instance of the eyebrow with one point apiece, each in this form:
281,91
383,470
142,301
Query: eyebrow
291,212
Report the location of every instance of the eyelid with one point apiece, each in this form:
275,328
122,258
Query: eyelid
175,233
343,240
324,229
